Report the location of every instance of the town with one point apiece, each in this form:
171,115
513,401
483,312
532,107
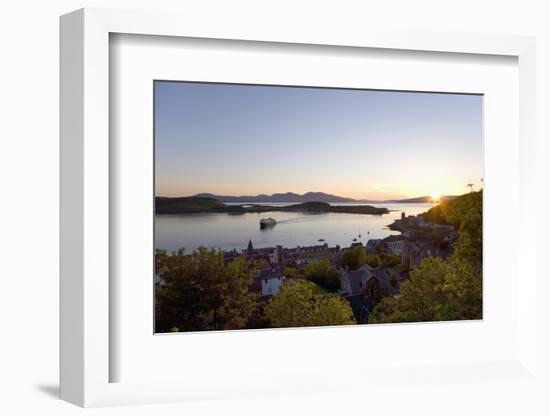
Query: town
366,273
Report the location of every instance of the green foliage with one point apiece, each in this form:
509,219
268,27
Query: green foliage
319,290
297,306
323,274
394,276
464,213
373,260
354,259
382,260
389,259
201,293
291,273
421,298
444,290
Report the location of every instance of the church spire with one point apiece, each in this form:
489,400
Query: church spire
250,247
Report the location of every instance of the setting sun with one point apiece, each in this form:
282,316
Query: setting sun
436,196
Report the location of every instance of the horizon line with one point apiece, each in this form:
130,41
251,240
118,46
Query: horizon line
310,192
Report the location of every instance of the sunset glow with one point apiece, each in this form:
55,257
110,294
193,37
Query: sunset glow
229,139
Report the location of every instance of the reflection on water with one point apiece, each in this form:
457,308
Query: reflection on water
229,232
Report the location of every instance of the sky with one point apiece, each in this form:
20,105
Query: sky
231,139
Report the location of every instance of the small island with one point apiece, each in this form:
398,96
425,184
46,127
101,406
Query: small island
193,205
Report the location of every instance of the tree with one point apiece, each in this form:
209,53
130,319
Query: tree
389,260
422,296
291,273
465,290
200,293
444,290
322,273
354,259
297,306
373,260
464,284
382,260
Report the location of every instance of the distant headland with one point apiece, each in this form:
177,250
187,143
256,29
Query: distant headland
200,204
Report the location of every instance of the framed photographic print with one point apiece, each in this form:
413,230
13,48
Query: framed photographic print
250,234
308,210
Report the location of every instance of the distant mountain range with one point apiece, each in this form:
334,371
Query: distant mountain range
311,197
279,197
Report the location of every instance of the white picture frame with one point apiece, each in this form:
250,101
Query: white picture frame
86,355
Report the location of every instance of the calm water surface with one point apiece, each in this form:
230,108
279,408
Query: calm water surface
228,232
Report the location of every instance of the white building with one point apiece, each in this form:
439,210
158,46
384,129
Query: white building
272,280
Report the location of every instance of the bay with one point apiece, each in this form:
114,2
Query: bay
227,232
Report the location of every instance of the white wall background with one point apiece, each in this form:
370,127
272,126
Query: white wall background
29,189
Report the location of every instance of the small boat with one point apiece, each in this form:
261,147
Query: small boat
321,239
267,222
355,239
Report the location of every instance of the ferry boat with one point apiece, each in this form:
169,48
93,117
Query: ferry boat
267,222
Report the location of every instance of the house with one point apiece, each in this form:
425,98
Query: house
351,281
372,282
373,245
271,281
364,288
395,246
410,257
378,286
274,256
414,252
269,254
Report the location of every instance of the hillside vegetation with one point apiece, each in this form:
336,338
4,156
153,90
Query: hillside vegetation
442,290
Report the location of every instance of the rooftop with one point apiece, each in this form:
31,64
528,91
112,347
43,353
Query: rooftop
267,274
364,274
